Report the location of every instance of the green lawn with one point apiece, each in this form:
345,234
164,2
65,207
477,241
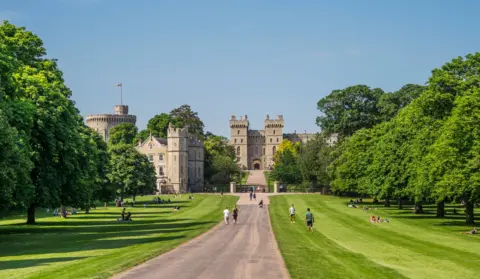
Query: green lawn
346,245
95,245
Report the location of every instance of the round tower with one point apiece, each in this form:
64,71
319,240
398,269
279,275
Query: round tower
103,123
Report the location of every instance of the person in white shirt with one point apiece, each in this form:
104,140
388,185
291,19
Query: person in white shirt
226,214
292,214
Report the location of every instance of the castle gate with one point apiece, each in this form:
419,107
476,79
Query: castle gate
256,164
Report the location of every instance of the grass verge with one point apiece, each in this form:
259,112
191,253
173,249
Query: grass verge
345,244
95,245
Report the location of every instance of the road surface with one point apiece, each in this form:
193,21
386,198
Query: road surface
242,251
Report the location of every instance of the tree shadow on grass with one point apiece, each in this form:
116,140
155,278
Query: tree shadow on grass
14,264
70,240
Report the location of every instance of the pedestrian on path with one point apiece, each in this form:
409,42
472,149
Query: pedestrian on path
254,196
251,195
309,220
292,214
226,214
235,214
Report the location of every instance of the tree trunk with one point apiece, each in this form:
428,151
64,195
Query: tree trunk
400,204
105,205
470,219
441,209
87,210
418,208
31,215
387,202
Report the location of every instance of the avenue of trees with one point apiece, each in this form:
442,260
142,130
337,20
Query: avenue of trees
420,144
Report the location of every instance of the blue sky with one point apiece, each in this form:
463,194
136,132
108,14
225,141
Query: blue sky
243,57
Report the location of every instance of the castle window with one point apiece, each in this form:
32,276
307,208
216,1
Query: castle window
238,132
256,150
274,149
160,171
150,157
271,140
241,141
160,156
278,139
238,150
263,151
198,174
174,158
235,140
181,170
274,132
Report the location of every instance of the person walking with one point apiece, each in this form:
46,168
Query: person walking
235,214
254,196
226,215
292,214
309,220
251,195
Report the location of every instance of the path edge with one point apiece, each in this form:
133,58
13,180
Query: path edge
277,248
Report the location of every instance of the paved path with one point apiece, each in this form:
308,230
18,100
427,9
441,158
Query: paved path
256,177
242,251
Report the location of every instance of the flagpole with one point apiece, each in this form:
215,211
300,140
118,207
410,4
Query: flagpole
121,94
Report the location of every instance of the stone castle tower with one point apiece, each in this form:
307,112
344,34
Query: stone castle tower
255,148
177,171
103,123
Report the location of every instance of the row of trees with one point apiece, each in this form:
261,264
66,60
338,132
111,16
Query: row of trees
421,143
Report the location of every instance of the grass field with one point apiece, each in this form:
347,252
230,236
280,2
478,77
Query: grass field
345,244
95,245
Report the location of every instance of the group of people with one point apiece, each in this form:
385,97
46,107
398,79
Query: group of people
125,216
226,215
374,219
160,201
62,212
309,219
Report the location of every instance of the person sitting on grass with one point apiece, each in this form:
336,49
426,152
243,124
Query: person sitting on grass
473,231
260,204
128,217
176,208
123,214
372,219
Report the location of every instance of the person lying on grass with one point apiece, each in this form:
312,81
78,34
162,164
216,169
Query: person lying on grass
473,231
176,208
378,220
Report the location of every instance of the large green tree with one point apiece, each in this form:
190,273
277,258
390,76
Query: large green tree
185,116
221,164
123,133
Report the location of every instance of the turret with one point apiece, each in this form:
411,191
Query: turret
239,138
273,137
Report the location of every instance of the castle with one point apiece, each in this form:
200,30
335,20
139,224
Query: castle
255,149
178,159
103,123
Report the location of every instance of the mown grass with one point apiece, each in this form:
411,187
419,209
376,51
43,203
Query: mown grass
243,179
345,244
95,245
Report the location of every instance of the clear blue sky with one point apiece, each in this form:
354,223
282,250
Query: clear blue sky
249,57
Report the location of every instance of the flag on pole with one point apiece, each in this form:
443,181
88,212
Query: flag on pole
118,84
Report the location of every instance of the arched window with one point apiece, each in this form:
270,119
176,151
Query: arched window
238,150
274,132
241,141
256,150
271,139
238,132
274,149
278,139
235,140
263,151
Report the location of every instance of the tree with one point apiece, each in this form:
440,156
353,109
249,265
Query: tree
350,109
315,157
141,136
390,103
286,145
184,116
131,172
285,169
123,133
158,125
51,123
221,164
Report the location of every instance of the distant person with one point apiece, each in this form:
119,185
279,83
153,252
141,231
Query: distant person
309,220
251,195
226,215
254,196
260,204
235,214
473,231
292,214
221,194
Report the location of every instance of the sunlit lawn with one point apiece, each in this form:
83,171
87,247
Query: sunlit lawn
345,244
95,245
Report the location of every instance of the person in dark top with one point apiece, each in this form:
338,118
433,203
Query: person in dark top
235,214
309,220
260,204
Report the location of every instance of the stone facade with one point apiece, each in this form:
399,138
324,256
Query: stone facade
255,148
103,123
178,160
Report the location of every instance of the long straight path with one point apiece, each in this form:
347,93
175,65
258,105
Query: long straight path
239,251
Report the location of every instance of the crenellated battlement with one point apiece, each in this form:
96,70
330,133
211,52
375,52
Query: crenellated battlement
278,122
240,122
177,132
111,118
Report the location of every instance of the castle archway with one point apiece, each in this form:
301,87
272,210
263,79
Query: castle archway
257,164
